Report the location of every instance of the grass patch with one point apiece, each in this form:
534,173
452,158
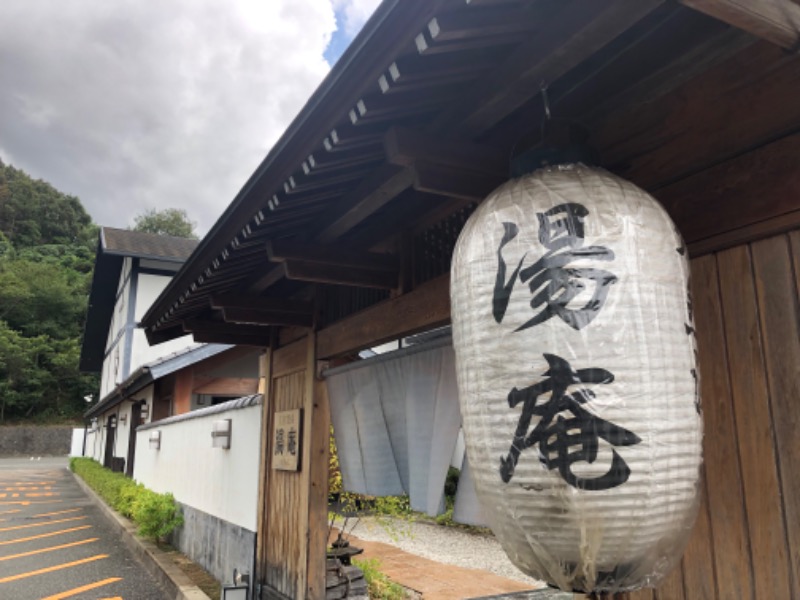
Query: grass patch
379,585
201,578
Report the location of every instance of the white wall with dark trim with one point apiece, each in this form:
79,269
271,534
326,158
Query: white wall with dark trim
222,483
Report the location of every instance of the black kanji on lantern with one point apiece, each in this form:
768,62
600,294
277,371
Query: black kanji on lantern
565,441
553,284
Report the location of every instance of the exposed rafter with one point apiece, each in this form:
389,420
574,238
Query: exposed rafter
423,308
227,333
376,191
405,146
454,182
256,310
321,273
777,21
545,57
331,255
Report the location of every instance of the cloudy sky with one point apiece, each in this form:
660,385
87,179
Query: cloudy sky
132,104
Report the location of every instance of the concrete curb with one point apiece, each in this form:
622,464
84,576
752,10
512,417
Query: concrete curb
174,581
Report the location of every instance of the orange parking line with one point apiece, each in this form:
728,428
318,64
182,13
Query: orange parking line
29,502
59,512
41,524
32,483
84,588
43,535
54,568
50,549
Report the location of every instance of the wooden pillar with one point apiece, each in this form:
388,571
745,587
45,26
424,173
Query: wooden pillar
292,520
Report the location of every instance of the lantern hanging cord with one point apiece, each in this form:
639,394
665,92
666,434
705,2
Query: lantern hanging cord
546,101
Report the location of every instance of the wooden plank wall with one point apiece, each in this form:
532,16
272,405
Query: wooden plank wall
293,525
286,544
746,543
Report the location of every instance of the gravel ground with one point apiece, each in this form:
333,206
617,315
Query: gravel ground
448,545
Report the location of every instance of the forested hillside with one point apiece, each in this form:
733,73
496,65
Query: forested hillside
47,247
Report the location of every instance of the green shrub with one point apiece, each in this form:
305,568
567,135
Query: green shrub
107,484
156,515
127,497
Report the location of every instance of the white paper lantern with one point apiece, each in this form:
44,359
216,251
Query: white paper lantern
578,385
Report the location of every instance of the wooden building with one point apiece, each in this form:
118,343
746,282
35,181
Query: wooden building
342,237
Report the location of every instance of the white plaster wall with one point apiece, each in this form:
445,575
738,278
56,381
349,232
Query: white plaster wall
223,483
96,440
123,431
143,353
161,265
145,394
76,444
111,373
92,441
149,287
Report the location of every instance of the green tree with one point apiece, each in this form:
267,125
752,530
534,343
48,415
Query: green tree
33,212
170,221
47,248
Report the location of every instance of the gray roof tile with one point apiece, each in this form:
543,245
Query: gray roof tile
136,243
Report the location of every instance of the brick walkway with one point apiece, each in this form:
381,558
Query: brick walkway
435,580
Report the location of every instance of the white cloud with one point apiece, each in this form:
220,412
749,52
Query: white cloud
354,13
132,104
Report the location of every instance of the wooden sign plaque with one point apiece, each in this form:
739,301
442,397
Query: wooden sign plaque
287,440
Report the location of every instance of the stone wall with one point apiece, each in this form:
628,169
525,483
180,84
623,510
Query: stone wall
215,544
26,440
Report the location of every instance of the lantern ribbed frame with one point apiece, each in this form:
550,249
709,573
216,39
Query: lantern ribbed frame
631,535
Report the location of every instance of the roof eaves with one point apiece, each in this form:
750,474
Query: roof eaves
377,41
138,380
153,371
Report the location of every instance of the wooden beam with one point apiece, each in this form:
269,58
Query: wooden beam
319,448
238,386
404,146
235,339
750,233
280,305
444,180
777,21
159,336
425,307
702,122
265,280
333,255
409,73
337,275
380,107
304,183
324,162
256,316
264,463
547,56
375,192
456,26
753,195
219,361
210,329
290,358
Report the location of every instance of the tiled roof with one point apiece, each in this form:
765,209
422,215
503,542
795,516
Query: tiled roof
136,243
235,404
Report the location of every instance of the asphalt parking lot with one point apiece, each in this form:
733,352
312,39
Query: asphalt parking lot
55,543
